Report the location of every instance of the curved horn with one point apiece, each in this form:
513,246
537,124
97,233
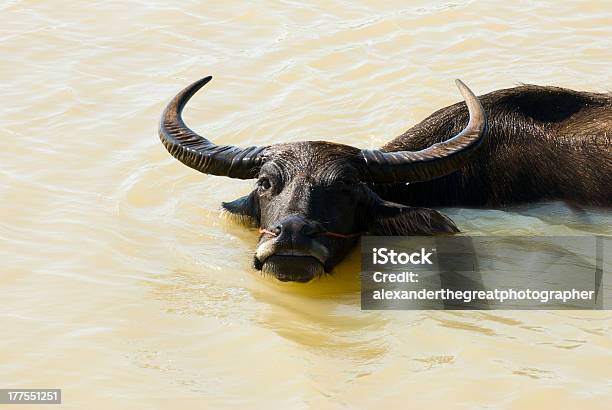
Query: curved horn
436,161
199,153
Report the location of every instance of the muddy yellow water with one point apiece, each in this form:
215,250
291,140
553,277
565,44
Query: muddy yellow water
121,284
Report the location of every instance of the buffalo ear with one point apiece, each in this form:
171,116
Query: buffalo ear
393,219
244,210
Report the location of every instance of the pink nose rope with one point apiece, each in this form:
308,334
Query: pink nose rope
327,233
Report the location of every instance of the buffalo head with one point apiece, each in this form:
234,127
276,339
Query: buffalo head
313,199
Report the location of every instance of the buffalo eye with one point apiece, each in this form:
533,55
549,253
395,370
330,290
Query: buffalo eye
346,183
264,183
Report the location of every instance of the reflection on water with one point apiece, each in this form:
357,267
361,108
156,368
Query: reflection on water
121,283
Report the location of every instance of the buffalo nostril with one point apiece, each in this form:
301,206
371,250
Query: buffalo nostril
294,227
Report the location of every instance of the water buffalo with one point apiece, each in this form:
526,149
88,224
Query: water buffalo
313,199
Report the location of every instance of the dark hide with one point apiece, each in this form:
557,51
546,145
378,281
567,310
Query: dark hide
544,143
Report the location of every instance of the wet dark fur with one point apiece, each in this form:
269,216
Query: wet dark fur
544,143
